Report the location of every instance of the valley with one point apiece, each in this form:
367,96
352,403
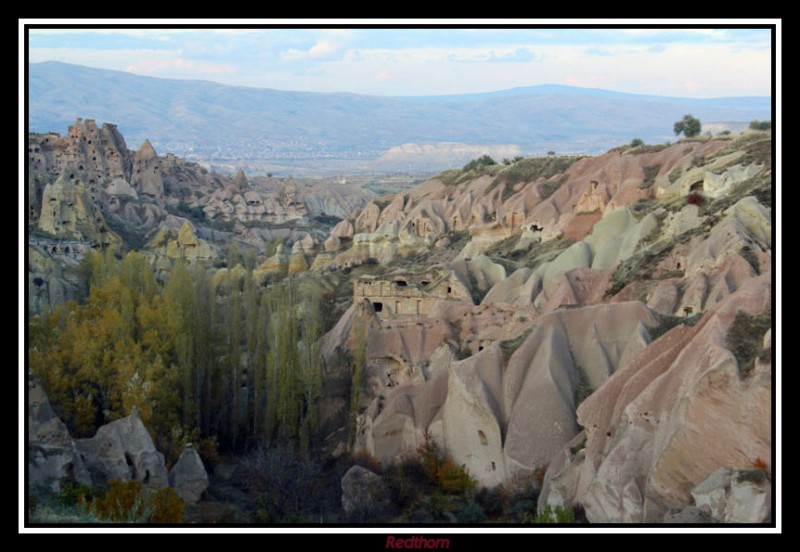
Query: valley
561,337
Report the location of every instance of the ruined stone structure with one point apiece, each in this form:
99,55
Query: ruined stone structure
409,294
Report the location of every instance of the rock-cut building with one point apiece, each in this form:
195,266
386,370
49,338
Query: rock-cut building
409,294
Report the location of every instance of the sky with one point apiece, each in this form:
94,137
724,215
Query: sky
700,63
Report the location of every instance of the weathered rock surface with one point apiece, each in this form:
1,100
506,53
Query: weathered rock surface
735,496
363,492
123,449
188,476
672,415
52,454
498,389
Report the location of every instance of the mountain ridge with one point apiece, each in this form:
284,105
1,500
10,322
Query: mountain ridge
216,123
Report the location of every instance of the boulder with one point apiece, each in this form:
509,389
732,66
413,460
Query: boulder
52,453
188,476
735,496
124,450
364,493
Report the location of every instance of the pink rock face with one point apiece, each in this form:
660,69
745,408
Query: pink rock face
672,415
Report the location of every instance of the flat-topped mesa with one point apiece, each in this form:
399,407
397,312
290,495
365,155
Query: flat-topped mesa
410,294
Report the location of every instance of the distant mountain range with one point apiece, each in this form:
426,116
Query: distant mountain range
341,132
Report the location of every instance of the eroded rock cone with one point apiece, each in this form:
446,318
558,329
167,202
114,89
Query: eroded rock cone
188,476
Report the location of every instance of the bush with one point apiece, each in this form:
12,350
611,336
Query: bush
441,471
558,514
167,507
122,503
528,170
472,512
745,338
650,173
761,125
454,479
493,501
636,142
479,163
71,493
406,481
550,187
195,213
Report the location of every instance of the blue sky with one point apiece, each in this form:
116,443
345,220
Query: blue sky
699,63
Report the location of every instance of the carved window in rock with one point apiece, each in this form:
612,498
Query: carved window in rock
377,306
392,370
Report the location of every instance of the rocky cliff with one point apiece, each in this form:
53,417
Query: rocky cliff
86,190
589,330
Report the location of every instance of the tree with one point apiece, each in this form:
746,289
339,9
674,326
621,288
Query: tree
636,142
479,163
761,125
689,126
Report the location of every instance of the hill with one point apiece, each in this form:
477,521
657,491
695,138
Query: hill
340,132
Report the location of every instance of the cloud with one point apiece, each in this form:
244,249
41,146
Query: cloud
520,55
180,65
322,48
383,76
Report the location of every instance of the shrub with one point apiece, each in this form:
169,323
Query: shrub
440,470
472,512
528,170
121,503
675,174
761,125
366,461
71,493
405,482
167,506
454,479
745,337
479,163
558,514
493,501
650,173
636,142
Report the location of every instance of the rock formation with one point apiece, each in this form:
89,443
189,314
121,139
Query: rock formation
123,449
52,454
363,492
188,476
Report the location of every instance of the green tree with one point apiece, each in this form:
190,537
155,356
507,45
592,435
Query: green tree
761,125
689,126
636,142
479,163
